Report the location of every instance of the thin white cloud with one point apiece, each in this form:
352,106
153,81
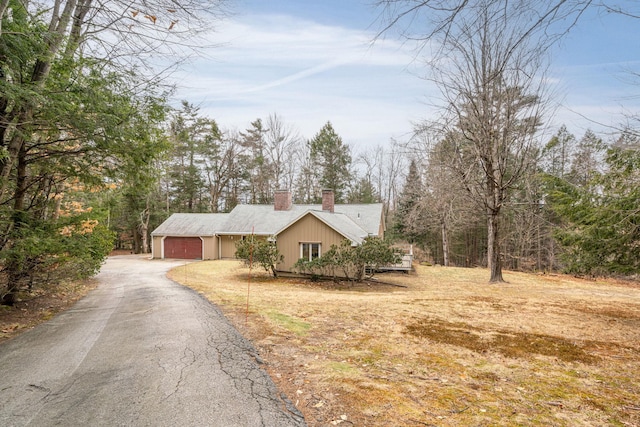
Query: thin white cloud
309,74
297,76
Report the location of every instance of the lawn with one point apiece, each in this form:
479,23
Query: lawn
441,346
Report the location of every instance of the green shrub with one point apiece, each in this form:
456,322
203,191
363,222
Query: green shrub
261,251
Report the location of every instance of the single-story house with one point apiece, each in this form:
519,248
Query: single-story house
299,231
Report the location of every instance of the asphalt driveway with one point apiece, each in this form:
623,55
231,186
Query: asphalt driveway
139,350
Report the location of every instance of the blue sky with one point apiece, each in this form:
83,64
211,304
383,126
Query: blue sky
313,61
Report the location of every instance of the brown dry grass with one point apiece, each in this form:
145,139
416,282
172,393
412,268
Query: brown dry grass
447,350
38,306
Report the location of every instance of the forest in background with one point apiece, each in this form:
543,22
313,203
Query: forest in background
574,209
92,156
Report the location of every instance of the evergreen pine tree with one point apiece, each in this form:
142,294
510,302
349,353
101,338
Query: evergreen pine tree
409,198
332,160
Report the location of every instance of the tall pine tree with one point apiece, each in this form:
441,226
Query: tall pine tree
404,218
331,159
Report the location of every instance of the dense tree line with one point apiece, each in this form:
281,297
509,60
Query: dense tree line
574,210
430,202
208,168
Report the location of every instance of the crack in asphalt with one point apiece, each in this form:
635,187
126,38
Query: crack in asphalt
139,350
188,359
247,374
39,388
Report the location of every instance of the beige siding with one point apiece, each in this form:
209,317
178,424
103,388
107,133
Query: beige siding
156,247
308,229
228,246
209,247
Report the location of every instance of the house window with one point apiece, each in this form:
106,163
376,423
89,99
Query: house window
310,251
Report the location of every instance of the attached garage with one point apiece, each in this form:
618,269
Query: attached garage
188,236
182,247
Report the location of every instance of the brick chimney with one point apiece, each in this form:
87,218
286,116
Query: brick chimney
282,200
327,200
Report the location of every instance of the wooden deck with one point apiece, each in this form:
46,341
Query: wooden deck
406,264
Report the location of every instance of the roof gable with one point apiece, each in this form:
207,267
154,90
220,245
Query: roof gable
339,222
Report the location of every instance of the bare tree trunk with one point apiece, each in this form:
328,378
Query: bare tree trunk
15,269
493,247
538,244
14,147
445,243
215,198
393,168
136,240
144,229
58,27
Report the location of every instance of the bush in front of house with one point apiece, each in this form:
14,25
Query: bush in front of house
349,262
261,251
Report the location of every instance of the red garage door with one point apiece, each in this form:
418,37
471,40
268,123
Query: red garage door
183,247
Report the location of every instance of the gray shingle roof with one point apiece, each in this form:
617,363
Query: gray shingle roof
367,216
261,219
355,222
191,224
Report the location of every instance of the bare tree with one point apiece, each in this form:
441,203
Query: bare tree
557,153
223,165
446,203
282,143
426,21
307,179
140,33
368,164
490,73
500,42
390,173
